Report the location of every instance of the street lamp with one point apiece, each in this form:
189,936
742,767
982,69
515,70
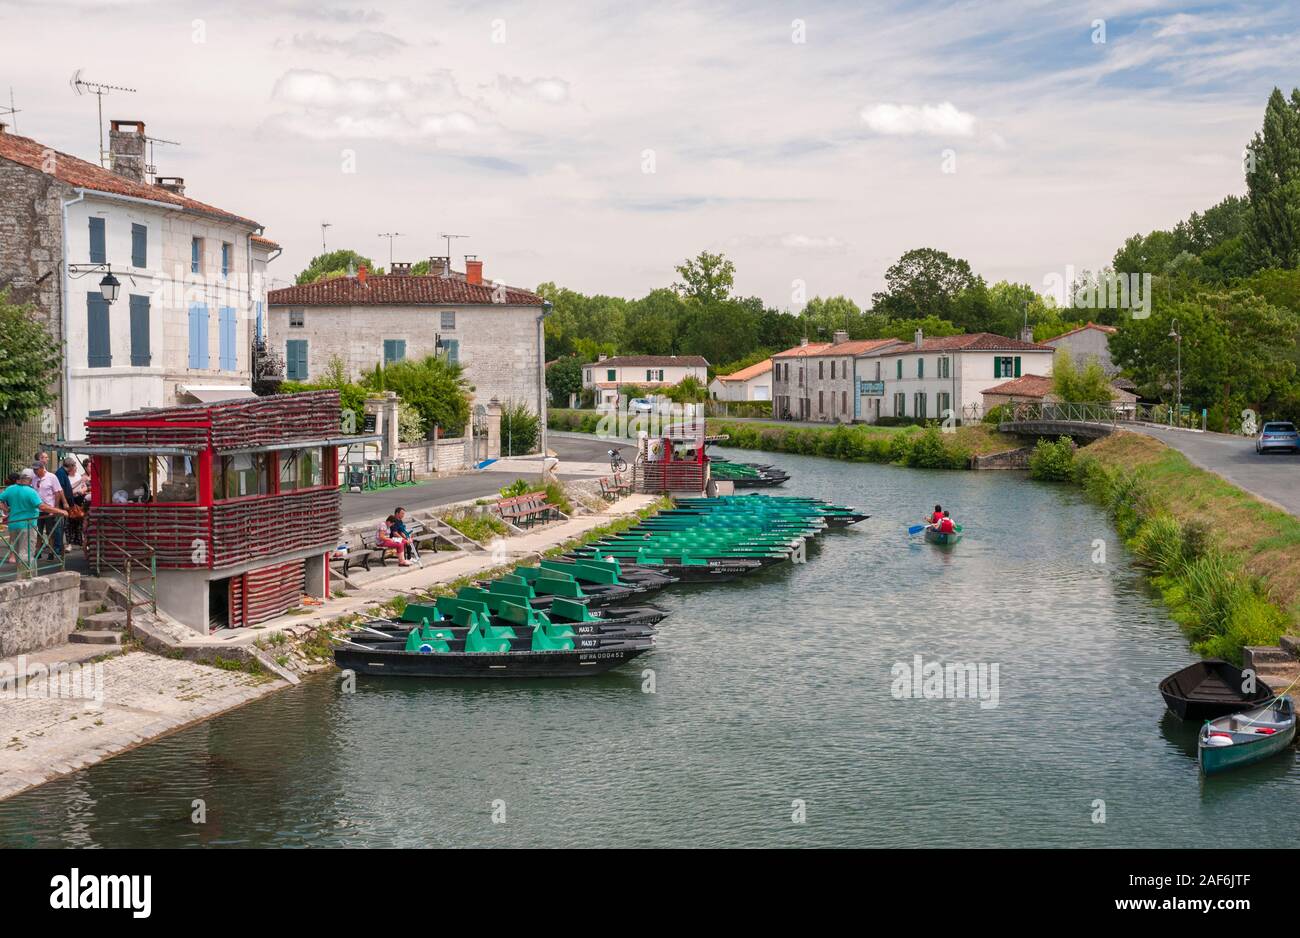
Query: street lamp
108,286
1178,344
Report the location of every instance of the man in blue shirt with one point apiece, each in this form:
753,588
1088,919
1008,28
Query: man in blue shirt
22,505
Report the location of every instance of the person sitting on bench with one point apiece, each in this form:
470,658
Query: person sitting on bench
386,537
399,529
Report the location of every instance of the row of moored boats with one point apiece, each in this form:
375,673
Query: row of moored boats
586,612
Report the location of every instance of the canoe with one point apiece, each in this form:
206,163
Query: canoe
944,540
1247,737
1209,689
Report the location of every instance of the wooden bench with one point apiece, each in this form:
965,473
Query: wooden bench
622,483
526,510
609,489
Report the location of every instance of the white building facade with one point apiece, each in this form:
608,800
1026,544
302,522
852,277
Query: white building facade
748,384
944,378
608,377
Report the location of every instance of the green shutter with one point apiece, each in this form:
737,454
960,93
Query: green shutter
997,366
900,368
920,367
1017,366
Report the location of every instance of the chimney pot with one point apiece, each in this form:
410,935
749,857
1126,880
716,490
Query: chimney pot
174,184
401,269
473,270
919,338
840,336
439,266
361,275
126,145
803,341
3,125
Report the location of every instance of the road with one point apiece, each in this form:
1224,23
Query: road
1275,477
372,506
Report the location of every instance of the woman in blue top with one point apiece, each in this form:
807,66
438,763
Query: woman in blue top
22,508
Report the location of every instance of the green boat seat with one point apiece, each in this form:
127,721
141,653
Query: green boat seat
418,612
521,615
478,641
426,640
586,573
565,610
547,583
512,592
546,639
468,613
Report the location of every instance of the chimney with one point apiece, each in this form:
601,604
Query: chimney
840,336
439,266
919,339
173,184
401,269
803,341
601,357
126,143
1027,334
3,125
473,270
361,274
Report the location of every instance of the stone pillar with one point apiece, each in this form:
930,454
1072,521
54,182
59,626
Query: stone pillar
493,408
385,412
315,568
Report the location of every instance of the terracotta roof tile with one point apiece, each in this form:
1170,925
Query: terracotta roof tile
1024,386
395,290
972,342
654,361
80,174
753,371
812,348
1109,330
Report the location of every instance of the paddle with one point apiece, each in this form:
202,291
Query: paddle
918,528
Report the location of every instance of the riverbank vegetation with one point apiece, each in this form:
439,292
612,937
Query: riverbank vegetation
1226,563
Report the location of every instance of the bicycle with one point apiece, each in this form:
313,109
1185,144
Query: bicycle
616,461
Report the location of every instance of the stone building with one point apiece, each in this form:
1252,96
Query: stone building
191,277
365,320
823,386
1089,341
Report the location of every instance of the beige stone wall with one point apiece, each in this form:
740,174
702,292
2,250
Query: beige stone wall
38,613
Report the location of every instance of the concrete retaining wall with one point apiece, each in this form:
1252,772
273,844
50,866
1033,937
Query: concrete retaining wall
1010,459
38,613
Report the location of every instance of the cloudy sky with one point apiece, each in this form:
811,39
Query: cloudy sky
597,144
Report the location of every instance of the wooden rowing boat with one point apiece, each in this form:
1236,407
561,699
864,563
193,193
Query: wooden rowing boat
1247,737
1212,688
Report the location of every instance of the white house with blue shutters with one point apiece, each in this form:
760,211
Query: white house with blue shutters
192,280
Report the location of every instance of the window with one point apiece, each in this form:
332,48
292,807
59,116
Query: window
241,475
451,348
139,246
449,319
295,359
227,358
900,368
945,367
920,367
196,255
588,378
611,374
297,318
832,371
226,250
821,371
919,405
301,469
900,404
394,350
1006,366
654,374
198,336
140,356
943,401
99,354
98,253
821,404
259,320
141,479
844,402
877,369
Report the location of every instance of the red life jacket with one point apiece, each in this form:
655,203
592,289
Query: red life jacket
946,526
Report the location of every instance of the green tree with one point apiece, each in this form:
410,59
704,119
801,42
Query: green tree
519,429
650,324
707,278
924,282
335,264
822,318
1074,385
433,385
563,378
1274,183
29,362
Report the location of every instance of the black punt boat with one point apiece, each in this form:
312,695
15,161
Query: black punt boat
392,659
1210,689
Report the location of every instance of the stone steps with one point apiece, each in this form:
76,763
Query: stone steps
89,607
95,637
114,619
94,588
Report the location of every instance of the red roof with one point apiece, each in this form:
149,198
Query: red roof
812,348
1109,330
265,242
395,290
753,371
653,361
859,346
972,342
80,174
1024,386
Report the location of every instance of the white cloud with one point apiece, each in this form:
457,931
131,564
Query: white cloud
368,43
936,120
547,90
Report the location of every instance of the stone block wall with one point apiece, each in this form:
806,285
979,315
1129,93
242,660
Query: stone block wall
38,613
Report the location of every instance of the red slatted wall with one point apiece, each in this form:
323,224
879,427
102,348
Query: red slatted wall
263,594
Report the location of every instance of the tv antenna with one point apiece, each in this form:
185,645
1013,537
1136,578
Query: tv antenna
446,272
150,168
390,235
10,111
323,226
98,89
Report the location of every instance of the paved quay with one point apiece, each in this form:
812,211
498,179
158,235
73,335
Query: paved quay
106,703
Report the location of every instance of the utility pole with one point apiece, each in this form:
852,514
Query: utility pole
1178,343
323,226
390,236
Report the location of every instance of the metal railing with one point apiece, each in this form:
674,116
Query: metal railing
22,550
121,551
1099,414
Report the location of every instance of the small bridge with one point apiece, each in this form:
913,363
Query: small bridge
1082,420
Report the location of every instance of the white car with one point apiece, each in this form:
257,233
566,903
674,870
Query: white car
640,405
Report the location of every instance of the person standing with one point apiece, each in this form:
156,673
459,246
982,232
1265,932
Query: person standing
73,482
22,509
53,508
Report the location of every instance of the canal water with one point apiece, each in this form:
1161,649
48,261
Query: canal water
773,698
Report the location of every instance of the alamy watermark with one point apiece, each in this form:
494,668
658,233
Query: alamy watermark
1106,290
936,680
60,680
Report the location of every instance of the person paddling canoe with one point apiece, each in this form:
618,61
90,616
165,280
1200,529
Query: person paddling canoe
935,516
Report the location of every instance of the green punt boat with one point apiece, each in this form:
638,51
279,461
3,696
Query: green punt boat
1247,737
943,540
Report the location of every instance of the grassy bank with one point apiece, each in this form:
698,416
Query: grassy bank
1226,563
920,448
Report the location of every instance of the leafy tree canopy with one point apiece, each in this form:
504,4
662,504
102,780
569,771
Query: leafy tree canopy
29,362
335,264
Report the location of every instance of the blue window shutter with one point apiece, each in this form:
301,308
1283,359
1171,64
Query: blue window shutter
259,320
295,358
198,336
98,253
98,352
140,330
194,255
226,356
390,350
453,349
139,246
